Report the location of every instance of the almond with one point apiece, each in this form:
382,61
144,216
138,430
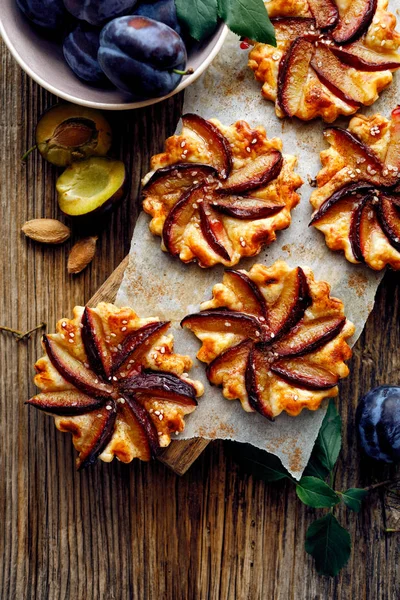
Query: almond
81,254
47,231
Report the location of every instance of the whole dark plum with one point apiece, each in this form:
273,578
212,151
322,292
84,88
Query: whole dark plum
159,10
80,51
378,421
139,56
48,14
98,12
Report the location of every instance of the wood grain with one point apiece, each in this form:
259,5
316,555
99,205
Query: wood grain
121,532
180,455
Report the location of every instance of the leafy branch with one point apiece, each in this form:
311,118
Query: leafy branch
247,18
326,540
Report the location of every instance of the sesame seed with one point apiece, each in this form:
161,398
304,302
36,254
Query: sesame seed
63,324
121,400
159,433
113,334
71,341
160,417
124,322
248,149
123,328
109,407
254,141
96,381
227,324
85,364
157,412
114,378
71,334
183,144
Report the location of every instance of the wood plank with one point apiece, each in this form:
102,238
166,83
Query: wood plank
180,455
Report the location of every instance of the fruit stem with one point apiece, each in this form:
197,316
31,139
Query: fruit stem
28,152
380,484
389,530
21,335
187,72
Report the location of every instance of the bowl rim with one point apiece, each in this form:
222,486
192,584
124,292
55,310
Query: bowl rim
186,81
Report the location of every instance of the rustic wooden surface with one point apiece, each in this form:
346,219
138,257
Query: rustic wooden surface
139,531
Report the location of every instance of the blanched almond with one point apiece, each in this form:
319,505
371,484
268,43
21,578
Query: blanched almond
81,254
47,231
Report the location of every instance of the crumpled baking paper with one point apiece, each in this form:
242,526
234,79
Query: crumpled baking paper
156,284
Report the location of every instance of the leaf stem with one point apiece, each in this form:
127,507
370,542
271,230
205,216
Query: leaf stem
21,335
381,484
28,152
189,71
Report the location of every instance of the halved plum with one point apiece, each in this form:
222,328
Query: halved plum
293,73
65,403
215,141
215,320
93,337
74,371
290,306
336,76
179,217
389,219
91,186
247,292
325,13
289,28
177,179
158,384
304,374
310,336
240,207
363,223
356,154
214,231
349,190
257,377
354,21
137,343
360,57
229,363
392,158
145,422
98,435
260,171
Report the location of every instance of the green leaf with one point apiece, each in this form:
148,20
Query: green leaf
263,465
248,18
198,16
316,493
329,544
315,468
353,498
329,440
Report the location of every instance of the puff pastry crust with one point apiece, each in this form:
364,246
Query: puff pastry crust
319,76
112,380
219,193
357,203
273,338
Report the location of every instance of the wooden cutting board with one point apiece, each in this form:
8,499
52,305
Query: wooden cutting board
179,455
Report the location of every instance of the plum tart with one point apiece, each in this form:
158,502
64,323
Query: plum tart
331,57
219,193
357,203
273,338
112,380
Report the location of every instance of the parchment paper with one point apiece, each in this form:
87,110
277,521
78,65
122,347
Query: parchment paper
157,285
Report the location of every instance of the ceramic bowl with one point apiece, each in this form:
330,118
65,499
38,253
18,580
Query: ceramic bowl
43,60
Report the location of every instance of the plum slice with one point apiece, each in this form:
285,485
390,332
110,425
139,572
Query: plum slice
230,362
247,292
144,420
354,21
74,371
289,28
180,216
304,374
389,219
290,306
91,185
93,338
293,73
177,179
349,190
240,207
336,76
308,337
65,403
392,158
160,385
256,173
137,343
325,13
363,224
214,231
97,435
220,319
136,432
257,378
356,154
360,57
216,142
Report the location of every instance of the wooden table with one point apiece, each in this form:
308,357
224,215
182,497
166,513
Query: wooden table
139,531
